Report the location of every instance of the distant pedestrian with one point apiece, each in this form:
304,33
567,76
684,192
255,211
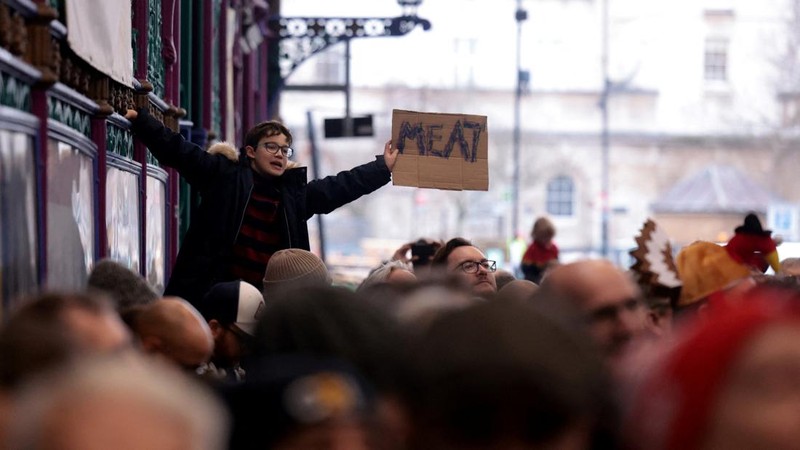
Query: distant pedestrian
542,253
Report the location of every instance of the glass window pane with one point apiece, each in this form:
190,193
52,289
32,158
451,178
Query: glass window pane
70,216
122,217
19,243
156,232
716,60
560,192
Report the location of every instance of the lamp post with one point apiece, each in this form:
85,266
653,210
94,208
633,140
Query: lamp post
520,15
604,137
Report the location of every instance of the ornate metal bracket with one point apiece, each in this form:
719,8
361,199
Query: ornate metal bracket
302,37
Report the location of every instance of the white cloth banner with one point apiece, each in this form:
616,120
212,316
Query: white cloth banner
99,31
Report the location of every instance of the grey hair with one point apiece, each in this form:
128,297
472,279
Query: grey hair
381,273
119,378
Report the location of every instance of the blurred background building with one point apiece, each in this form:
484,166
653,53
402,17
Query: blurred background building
701,107
684,111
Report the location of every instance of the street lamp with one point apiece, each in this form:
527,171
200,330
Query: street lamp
604,137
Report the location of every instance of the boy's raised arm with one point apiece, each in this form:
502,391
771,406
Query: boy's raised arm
172,150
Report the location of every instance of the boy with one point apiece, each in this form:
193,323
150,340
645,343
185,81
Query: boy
253,203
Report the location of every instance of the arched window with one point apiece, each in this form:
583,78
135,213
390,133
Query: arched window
560,196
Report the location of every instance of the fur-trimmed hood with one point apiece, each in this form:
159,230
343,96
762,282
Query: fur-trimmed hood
225,149
229,151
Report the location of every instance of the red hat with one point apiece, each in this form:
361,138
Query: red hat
673,406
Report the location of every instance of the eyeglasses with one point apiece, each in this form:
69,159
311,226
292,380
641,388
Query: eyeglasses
473,266
275,148
245,340
237,332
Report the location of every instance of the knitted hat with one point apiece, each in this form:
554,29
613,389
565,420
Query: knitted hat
233,303
295,267
704,268
674,405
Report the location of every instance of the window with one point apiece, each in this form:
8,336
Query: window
156,253
123,213
716,60
560,193
19,243
70,215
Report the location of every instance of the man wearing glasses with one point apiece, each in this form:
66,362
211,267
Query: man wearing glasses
232,310
254,201
468,263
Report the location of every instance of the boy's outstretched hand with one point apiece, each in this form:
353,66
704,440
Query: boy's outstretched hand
390,155
131,114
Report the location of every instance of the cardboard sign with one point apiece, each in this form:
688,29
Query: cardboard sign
441,151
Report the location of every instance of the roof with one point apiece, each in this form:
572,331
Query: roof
716,189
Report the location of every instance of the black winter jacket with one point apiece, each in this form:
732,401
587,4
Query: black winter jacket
224,186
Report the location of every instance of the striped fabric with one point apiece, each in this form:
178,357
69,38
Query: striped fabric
259,235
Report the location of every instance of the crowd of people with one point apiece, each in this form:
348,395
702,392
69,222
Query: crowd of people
252,346
424,354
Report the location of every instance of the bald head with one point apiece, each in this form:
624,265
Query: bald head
608,298
518,290
589,280
173,328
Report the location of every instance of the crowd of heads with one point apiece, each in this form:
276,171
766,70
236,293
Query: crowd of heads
435,349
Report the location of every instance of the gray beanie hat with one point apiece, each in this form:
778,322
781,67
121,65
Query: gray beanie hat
294,267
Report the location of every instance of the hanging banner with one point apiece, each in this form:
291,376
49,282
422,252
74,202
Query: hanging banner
99,32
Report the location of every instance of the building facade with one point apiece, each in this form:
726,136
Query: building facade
76,187
692,87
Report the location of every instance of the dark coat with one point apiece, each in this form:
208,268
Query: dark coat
224,186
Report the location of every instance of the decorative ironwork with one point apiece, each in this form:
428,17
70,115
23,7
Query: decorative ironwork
155,61
171,118
14,92
120,97
13,34
135,46
41,50
74,72
151,160
302,37
56,58
69,115
119,141
58,5
155,111
5,26
216,102
101,93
